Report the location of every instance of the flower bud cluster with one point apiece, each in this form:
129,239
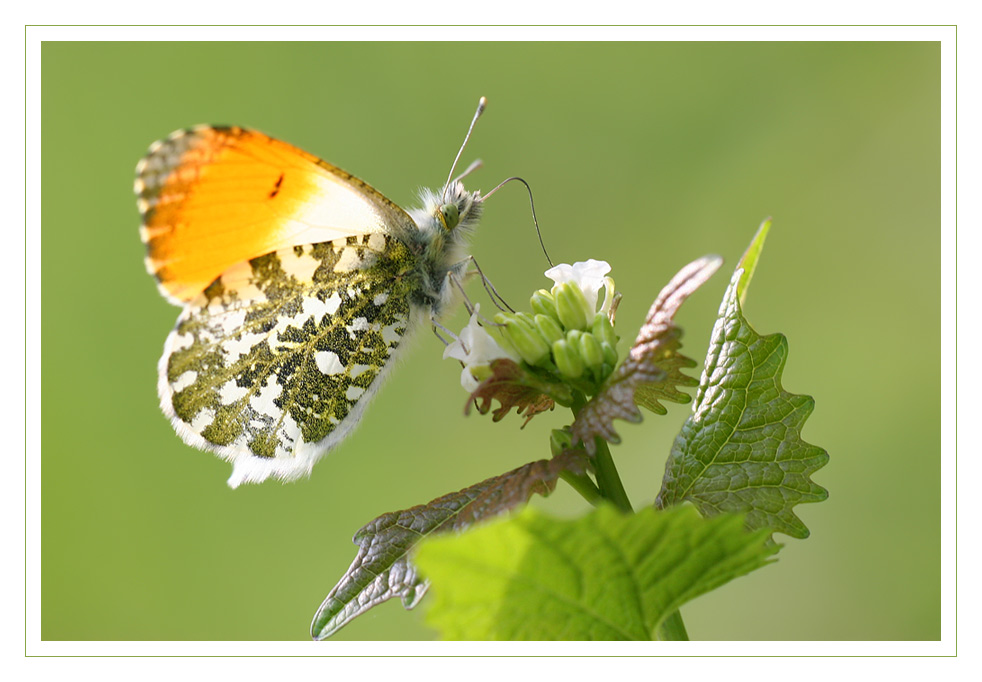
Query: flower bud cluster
564,333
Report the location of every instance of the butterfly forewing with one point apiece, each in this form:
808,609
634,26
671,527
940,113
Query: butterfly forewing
276,359
213,197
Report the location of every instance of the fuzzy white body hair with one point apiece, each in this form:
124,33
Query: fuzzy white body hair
445,250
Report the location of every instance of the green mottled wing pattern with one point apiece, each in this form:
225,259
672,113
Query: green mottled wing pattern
274,362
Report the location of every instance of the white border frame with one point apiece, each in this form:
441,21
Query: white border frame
34,646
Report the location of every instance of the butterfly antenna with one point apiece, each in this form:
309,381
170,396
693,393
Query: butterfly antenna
532,204
481,105
475,164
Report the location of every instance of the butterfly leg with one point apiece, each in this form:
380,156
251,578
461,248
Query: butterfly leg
493,294
437,328
457,283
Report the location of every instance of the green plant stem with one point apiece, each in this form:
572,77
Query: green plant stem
672,629
582,484
608,481
609,487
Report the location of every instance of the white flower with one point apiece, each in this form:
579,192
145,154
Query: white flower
589,276
475,348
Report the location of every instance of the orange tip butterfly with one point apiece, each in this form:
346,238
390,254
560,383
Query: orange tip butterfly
299,283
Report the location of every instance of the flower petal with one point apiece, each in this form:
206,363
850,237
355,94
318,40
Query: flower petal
587,275
475,348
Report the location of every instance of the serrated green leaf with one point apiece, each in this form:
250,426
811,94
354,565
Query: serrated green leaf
605,576
649,396
741,450
750,258
652,370
382,568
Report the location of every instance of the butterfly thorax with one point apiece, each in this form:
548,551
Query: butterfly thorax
445,222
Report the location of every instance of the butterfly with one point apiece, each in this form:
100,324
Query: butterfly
299,284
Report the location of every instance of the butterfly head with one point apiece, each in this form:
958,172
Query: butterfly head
450,215
444,224
458,210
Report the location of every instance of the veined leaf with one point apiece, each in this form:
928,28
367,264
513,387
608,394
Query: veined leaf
671,362
382,568
741,449
605,576
514,386
652,369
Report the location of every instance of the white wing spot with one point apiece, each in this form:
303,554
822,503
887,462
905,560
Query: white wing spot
390,333
328,362
358,370
376,241
243,345
202,420
230,392
354,392
181,341
333,303
315,308
349,260
184,381
301,267
380,299
359,324
262,402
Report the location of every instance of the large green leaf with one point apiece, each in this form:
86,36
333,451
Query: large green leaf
741,449
605,576
382,569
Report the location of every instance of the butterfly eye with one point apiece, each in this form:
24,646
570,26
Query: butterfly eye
451,216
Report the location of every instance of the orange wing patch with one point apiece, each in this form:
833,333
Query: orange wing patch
211,198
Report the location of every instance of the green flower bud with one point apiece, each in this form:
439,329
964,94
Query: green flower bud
559,441
605,371
604,330
525,319
506,343
544,303
567,359
503,318
571,306
610,354
573,337
523,336
549,328
591,351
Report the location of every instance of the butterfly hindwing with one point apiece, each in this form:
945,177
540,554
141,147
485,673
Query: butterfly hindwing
273,363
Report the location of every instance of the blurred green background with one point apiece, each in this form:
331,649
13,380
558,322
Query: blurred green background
647,155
